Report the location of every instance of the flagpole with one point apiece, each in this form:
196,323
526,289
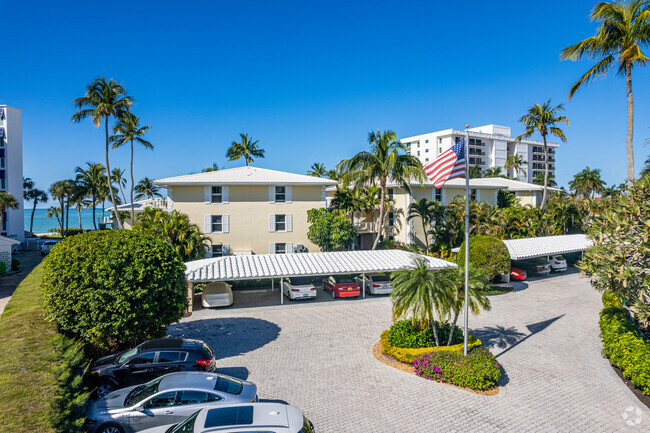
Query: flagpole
465,331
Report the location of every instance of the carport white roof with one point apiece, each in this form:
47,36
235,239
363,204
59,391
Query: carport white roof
545,246
304,264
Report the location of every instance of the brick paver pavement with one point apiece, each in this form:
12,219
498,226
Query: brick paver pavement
318,356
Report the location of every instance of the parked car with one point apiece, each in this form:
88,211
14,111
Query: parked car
517,274
257,417
536,266
217,294
558,263
165,401
47,246
299,288
376,284
341,286
148,361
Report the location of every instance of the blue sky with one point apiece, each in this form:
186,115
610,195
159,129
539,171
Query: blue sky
308,79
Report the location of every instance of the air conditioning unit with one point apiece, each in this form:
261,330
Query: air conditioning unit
300,249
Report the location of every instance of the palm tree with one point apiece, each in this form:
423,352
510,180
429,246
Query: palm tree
544,119
384,161
146,189
317,170
477,290
37,195
7,201
517,163
54,211
493,172
422,294
475,172
423,209
80,199
128,130
117,176
102,101
214,167
92,178
587,183
645,171
550,180
28,185
624,29
247,149
59,191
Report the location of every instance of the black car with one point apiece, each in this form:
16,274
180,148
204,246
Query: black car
148,361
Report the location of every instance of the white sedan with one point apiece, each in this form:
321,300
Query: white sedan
299,288
558,263
376,284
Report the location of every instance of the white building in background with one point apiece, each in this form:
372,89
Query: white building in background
489,147
11,169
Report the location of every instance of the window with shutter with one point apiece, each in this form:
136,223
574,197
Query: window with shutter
280,223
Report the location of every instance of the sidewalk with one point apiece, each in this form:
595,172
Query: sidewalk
8,283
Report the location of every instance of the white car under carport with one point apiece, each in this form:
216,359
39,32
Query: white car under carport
217,294
376,284
299,288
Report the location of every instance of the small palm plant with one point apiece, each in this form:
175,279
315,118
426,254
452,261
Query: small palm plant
516,162
425,210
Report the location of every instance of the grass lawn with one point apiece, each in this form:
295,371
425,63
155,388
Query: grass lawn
499,290
29,356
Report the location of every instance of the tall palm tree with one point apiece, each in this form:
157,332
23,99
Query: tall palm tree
80,199
117,176
247,149
59,191
517,163
423,209
146,189
28,186
384,161
55,212
7,201
214,167
587,183
317,170
36,195
493,172
92,177
102,101
421,294
624,28
543,119
128,130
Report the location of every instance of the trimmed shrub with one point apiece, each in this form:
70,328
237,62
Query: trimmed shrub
408,355
3,267
402,334
624,347
610,299
114,288
479,370
487,253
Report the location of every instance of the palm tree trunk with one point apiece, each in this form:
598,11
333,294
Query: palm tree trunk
31,222
108,176
67,214
382,201
132,207
79,211
426,237
453,328
62,204
92,193
630,124
434,328
545,193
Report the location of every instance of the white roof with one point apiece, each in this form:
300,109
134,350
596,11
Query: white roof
245,176
546,246
304,264
8,241
483,182
156,203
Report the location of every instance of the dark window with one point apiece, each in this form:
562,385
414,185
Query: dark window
217,194
166,399
439,194
217,250
241,415
196,397
231,386
143,358
280,248
280,194
391,219
472,194
280,223
171,356
217,223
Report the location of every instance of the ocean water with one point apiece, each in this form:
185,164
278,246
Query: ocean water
42,223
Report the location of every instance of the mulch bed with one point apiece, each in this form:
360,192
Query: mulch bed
408,368
645,399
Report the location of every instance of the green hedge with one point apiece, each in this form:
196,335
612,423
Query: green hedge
402,334
610,299
408,355
624,347
487,253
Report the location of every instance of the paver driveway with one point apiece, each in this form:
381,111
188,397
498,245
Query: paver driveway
319,358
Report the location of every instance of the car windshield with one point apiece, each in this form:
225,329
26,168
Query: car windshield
300,281
141,392
127,355
380,278
186,426
229,385
343,279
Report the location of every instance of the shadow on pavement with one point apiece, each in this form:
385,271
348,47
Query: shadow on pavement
228,336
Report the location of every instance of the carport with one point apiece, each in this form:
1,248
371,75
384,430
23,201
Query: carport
272,266
546,246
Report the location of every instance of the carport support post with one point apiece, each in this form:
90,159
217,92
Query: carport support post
281,291
190,295
363,277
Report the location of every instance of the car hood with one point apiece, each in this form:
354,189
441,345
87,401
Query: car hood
105,361
113,401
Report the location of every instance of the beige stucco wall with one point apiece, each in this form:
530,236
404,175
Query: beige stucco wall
248,209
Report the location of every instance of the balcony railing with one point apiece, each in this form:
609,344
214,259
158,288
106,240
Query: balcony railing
365,226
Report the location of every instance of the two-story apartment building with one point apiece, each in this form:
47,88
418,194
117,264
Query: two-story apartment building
249,210
11,169
489,147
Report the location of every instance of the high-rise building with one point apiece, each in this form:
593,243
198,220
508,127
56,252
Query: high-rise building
11,169
489,147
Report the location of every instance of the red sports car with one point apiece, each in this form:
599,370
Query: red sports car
341,286
517,274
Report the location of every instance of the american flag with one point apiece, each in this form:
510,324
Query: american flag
449,165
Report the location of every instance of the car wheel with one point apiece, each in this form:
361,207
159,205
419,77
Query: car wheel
104,388
110,428
333,294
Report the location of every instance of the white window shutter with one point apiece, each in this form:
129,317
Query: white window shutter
272,223
225,223
271,248
289,247
271,194
224,194
208,224
226,250
208,252
208,194
288,194
289,222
